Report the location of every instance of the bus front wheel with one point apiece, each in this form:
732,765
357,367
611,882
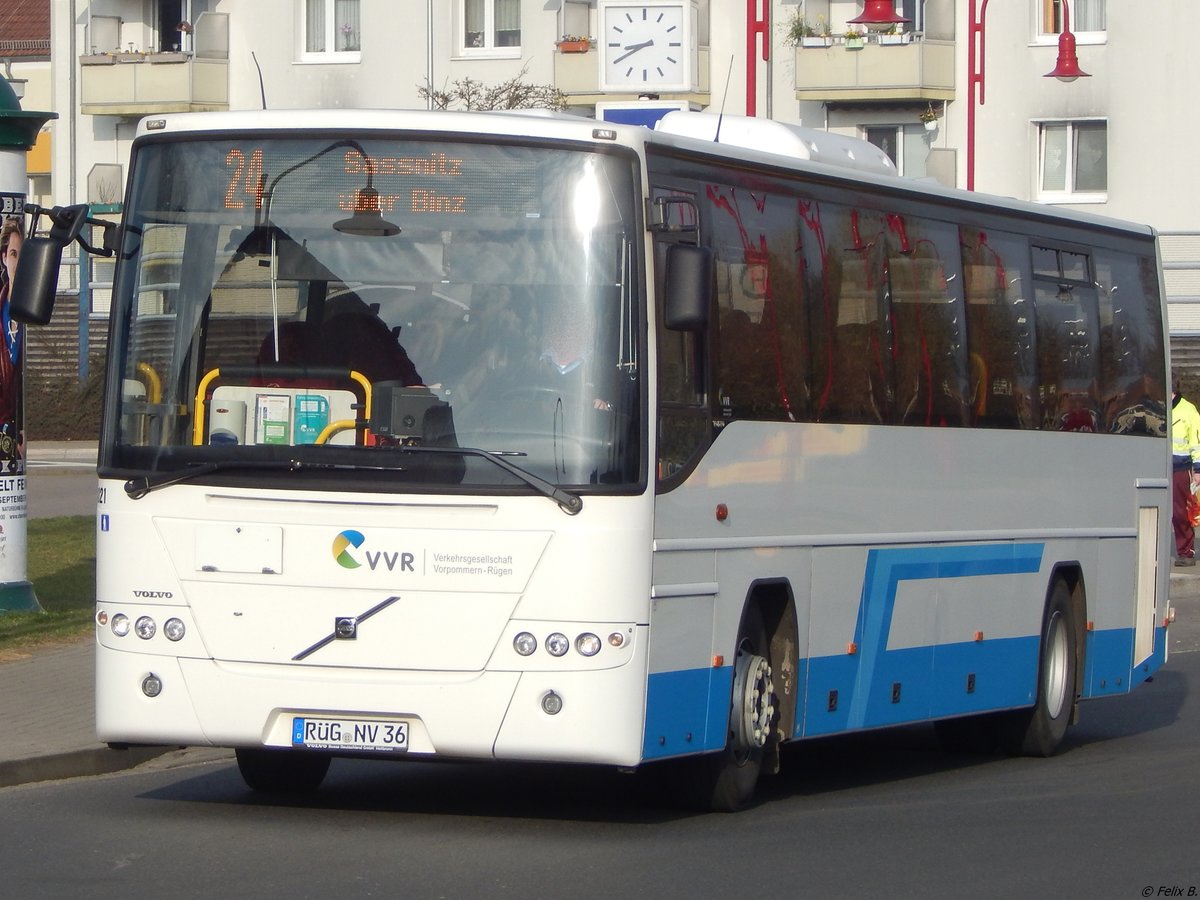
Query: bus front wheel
281,771
725,781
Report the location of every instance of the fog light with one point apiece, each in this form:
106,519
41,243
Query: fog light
174,629
525,643
551,703
120,625
587,644
151,685
144,628
557,644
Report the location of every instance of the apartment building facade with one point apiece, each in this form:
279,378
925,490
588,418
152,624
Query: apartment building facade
957,91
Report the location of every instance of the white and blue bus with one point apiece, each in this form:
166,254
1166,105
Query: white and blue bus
512,437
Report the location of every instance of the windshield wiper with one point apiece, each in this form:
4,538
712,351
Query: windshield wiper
570,503
137,488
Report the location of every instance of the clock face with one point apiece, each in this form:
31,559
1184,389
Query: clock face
644,46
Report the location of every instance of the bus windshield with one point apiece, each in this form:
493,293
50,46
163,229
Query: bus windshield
378,309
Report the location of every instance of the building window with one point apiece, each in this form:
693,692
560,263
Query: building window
489,26
1073,162
906,145
1087,17
332,30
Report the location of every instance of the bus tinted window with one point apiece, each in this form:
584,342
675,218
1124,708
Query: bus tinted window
1000,329
1131,344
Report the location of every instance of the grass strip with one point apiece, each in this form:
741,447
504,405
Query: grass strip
61,566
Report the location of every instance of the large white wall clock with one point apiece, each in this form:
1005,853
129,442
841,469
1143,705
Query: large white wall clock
647,46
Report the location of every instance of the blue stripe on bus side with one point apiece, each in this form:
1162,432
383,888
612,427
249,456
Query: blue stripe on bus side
934,684
870,700
688,710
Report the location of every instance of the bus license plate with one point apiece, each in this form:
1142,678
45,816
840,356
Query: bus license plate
378,735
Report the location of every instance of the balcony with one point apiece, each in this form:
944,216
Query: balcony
140,84
917,70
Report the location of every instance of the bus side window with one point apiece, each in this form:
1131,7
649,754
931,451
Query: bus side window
1068,340
1131,347
1001,331
861,353
932,383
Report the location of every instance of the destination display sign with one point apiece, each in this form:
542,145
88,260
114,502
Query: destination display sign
446,180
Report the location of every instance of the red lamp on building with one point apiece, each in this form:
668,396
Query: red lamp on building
878,15
1066,67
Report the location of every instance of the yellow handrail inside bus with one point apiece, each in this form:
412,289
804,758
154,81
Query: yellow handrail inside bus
201,391
337,427
213,374
153,382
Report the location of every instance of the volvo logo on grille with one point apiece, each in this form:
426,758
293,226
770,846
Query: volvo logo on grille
345,628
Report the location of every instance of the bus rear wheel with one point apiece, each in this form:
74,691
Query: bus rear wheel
281,771
1040,731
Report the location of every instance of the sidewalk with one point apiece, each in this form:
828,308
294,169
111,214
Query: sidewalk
47,705
47,698
48,714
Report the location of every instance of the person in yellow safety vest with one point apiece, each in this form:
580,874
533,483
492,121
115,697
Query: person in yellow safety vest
1185,457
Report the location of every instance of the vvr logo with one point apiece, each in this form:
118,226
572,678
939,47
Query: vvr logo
347,547
343,545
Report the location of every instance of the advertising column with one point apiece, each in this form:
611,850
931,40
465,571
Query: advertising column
18,132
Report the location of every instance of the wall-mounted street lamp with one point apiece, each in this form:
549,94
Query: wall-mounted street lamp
878,15
1066,68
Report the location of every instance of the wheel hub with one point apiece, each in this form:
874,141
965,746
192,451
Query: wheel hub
754,694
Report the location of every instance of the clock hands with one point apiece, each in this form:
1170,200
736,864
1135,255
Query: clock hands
631,49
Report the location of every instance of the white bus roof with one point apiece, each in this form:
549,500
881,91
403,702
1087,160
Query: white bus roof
767,135
756,140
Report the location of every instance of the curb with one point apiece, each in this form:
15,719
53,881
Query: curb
62,451
75,764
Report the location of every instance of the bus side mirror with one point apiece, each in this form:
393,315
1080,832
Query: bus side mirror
690,274
35,284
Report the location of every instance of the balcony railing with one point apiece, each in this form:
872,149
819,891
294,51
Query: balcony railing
139,84
917,70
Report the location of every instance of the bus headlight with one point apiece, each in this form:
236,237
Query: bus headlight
174,629
120,625
587,644
525,643
558,644
144,628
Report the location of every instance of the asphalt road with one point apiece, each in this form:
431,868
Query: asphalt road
879,815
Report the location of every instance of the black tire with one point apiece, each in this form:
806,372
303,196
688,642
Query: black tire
725,781
1039,731
281,771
